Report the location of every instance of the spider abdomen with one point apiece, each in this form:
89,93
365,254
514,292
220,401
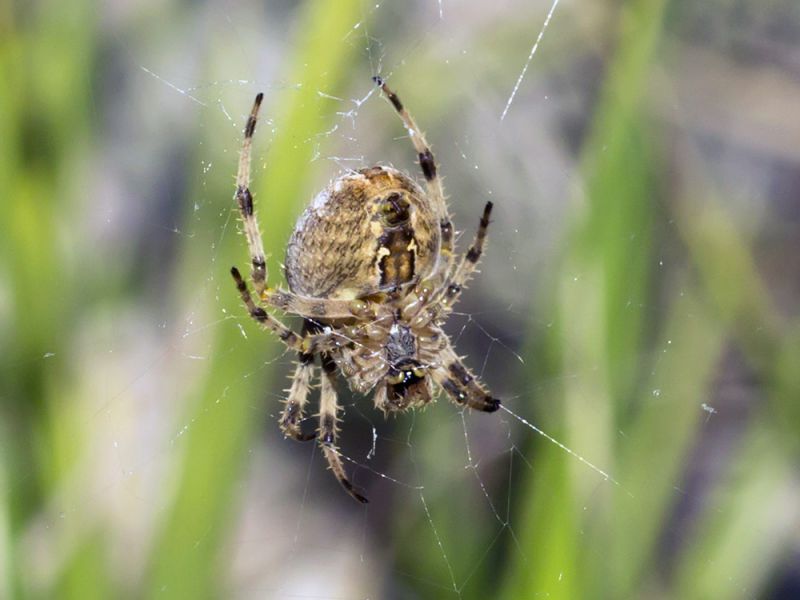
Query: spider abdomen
367,232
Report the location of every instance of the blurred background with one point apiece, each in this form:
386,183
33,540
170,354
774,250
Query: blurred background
638,300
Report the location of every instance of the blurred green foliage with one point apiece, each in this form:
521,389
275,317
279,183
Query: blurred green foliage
646,373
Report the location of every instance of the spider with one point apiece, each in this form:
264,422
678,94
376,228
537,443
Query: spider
372,271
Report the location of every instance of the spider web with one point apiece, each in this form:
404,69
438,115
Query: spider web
448,488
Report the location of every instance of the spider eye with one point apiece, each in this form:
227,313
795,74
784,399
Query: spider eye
394,210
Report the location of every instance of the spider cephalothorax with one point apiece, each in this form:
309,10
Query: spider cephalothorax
371,269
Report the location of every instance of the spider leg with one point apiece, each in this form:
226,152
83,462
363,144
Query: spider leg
454,284
461,385
317,308
294,408
428,165
286,335
328,410
244,199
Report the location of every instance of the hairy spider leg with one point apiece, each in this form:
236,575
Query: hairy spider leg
286,335
293,412
245,201
454,284
306,343
461,385
328,426
427,163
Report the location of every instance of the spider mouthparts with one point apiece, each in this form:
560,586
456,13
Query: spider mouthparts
378,80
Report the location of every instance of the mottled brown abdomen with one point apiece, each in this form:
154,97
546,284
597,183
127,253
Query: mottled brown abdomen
366,232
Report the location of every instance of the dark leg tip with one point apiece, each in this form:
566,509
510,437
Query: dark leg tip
236,275
259,98
352,491
378,80
492,404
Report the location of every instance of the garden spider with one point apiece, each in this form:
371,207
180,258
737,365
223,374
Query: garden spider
371,270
